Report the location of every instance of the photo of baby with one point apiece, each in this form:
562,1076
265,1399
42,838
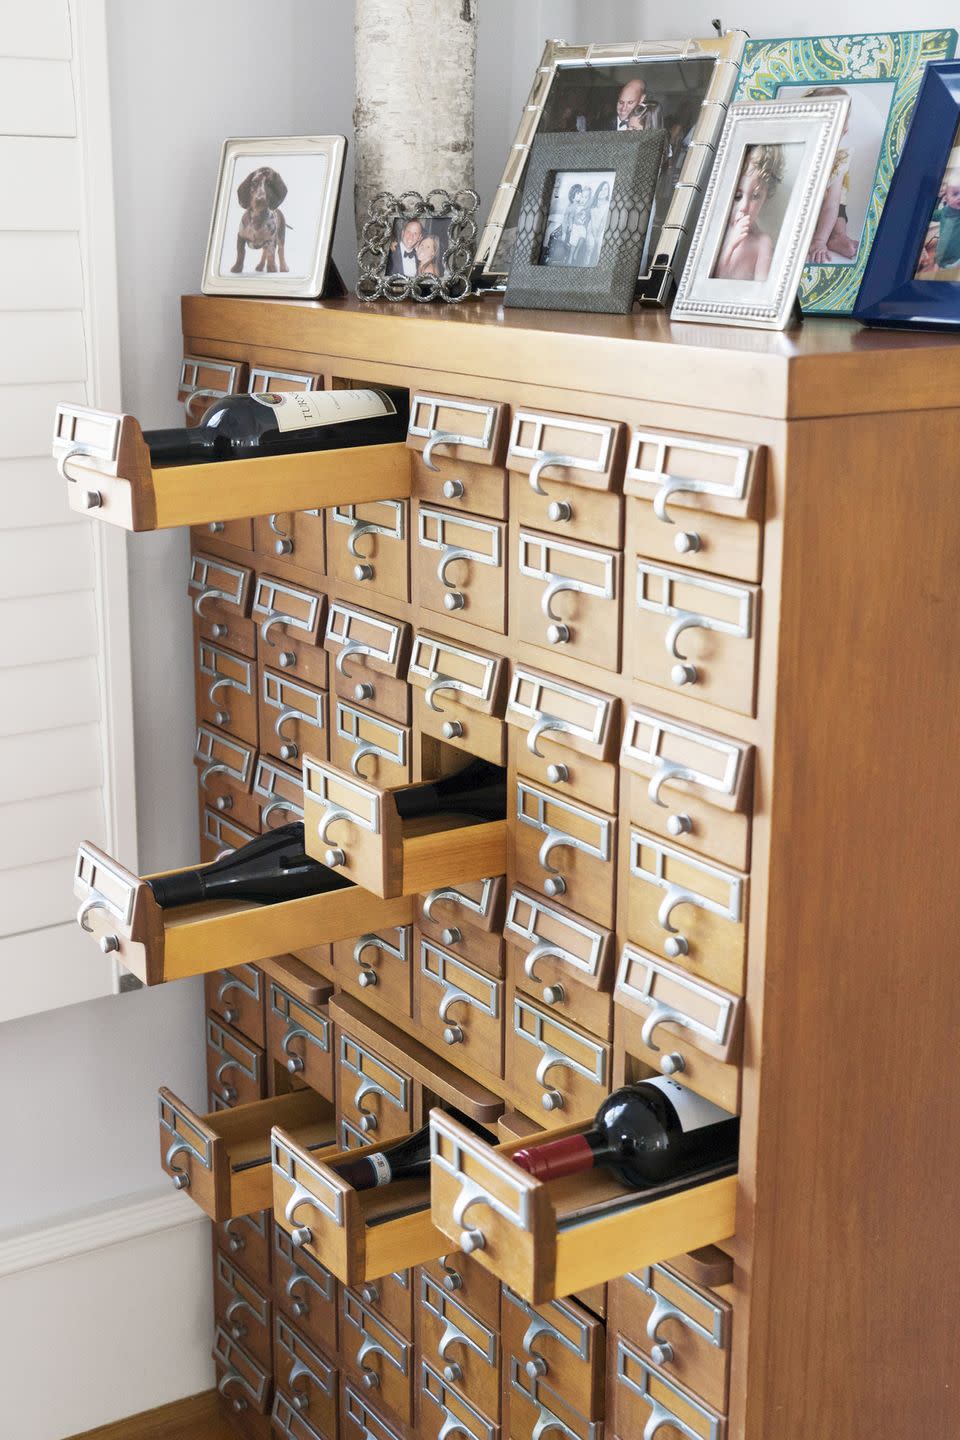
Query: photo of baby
940,252
756,213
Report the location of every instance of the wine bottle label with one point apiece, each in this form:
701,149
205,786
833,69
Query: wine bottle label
381,1166
693,1112
303,409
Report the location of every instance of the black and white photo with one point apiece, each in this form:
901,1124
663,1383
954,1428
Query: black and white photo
577,218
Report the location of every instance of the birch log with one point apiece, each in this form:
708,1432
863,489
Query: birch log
413,117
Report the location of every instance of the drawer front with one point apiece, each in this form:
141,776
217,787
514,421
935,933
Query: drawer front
236,996
240,1380
226,768
291,620
560,1343
373,1097
691,786
226,686
245,1240
683,1330
243,1310
459,1346
300,1039
460,562
482,736
642,1394
264,378
221,624
444,1411
305,1291
698,500
565,850
293,718
558,1072
462,1278
236,1073
460,695
450,922
369,654
369,545
564,735
567,511
462,485
365,744
294,535
204,380
688,909
238,533
379,962
570,774
679,1024
566,962
391,1296
535,1408
450,427
377,1354
303,1373
568,597
219,835
219,582
696,634
564,457
460,1005
358,1420
279,790
288,1421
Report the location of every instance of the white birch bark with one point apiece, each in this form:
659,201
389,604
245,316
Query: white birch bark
413,116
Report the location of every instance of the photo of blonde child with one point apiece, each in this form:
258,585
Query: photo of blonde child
747,249
831,240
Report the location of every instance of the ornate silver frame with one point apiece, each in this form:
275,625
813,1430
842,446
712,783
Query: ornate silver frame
654,286
385,210
765,304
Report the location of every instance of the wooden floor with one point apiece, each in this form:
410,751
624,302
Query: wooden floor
198,1418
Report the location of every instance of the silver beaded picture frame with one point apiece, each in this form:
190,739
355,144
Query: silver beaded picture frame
762,203
416,247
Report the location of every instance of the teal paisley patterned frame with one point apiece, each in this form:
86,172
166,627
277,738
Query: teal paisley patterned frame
847,60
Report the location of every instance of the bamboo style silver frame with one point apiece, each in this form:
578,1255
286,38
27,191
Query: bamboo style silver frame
655,285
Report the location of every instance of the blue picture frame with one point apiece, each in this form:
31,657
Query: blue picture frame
890,295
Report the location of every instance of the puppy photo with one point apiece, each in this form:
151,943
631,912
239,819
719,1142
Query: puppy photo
262,225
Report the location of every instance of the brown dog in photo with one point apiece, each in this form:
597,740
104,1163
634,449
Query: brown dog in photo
262,224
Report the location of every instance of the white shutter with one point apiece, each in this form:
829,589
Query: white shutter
66,748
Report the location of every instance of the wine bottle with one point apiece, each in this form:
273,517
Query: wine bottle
479,790
648,1134
238,427
273,867
407,1159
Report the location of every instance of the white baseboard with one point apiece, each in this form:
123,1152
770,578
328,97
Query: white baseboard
105,1315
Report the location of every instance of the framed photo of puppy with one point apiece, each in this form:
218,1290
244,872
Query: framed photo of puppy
274,217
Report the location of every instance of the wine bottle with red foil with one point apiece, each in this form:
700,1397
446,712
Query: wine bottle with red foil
407,1159
273,867
240,427
649,1134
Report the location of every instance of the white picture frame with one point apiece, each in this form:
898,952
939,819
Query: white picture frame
783,151
271,232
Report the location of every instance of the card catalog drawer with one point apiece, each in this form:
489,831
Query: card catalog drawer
243,1310
236,996
226,767
289,1423
245,1239
204,380
678,1024
462,484
565,961
291,620
221,582
236,533
460,566
460,1005
294,535
300,1038
243,1383
265,378
369,546
378,1355
570,471
459,1346
568,597
457,429
226,690
564,735
279,788
535,1408
559,1343
566,849
374,1096
467,920
698,499
365,744
293,717
379,963
695,633
370,652
558,1072
221,624
444,1411
471,684
691,785
358,1420
219,835
306,1376
559,507
463,1278
305,1290
683,1330
236,1073
643,1395
688,909
392,1295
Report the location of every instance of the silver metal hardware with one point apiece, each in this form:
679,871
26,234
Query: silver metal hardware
451,729
342,618
283,547
222,718
452,1280
708,1425
334,857
668,483
109,943
673,1063
202,568
208,744
426,661
654,873
471,1240
684,673
368,1122
224,802
679,824
558,774
553,994
543,459
663,1310
460,898
662,1353
637,978
367,979
300,1309
301,1235
453,489
356,1061
528,1025
559,511
229,1093
551,1100
92,499
554,885
536,1367
428,518
219,631
452,935
452,1373
289,751
363,571
676,945
651,576
558,634
216,527
286,659
435,437
582,935
454,600
370,1294
687,542
453,1035
363,691
536,561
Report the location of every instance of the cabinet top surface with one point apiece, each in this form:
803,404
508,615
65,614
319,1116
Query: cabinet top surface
824,366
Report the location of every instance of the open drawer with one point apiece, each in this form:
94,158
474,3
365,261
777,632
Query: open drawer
223,1159
549,1239
119,910
356,827
106,463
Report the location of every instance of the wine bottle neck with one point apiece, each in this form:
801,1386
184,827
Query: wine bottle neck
570,1156
169,446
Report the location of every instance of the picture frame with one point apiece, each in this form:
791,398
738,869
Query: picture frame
763,200
417,247
274,214
881,73
699,75
584,218
904,285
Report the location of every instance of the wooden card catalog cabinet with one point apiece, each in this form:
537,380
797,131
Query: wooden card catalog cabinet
547,1240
